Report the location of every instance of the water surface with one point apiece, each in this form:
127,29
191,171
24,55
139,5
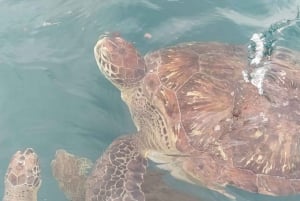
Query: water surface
52,94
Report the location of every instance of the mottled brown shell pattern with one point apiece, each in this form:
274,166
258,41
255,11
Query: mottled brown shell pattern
253,138
195,84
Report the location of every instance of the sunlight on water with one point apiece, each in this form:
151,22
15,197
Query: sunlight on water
52,94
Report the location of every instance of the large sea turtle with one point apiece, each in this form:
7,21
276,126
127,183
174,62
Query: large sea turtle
202,112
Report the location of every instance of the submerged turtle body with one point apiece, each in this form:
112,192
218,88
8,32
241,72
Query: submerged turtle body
23,179
200,111
71,173
207,117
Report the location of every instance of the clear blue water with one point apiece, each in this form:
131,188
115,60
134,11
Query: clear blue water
52,94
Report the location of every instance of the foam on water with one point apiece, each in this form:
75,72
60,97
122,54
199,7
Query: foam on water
259,41
257,78
260,50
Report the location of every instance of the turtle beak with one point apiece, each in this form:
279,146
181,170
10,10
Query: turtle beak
99,50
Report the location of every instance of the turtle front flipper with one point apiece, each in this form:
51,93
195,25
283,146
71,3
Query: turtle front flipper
118,174
22,179
71,172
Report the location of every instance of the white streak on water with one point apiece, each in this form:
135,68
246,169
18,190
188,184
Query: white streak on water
257,77
169,30
46,24
259,40
274,14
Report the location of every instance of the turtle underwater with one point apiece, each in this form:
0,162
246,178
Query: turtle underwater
198,117
23,178
202,113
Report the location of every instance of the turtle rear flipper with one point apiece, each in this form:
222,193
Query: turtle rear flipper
118,174
71,173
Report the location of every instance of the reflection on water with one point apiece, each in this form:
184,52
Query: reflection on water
51,92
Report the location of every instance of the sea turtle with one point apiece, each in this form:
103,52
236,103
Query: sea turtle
22,180
203,113
72,172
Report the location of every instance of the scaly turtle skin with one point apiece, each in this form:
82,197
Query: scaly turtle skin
22,180
199,113
71,173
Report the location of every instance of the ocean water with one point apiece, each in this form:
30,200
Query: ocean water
52,94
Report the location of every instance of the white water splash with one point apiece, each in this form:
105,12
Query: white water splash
257,77
260,49
259,41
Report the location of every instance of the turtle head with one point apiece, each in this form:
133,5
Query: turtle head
23,176
119,61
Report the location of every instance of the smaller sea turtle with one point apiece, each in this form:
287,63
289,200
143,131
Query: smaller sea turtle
71,173
23,179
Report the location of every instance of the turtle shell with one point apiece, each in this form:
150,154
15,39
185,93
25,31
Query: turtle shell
194,84
211,108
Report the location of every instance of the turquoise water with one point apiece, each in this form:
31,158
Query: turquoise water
52,94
